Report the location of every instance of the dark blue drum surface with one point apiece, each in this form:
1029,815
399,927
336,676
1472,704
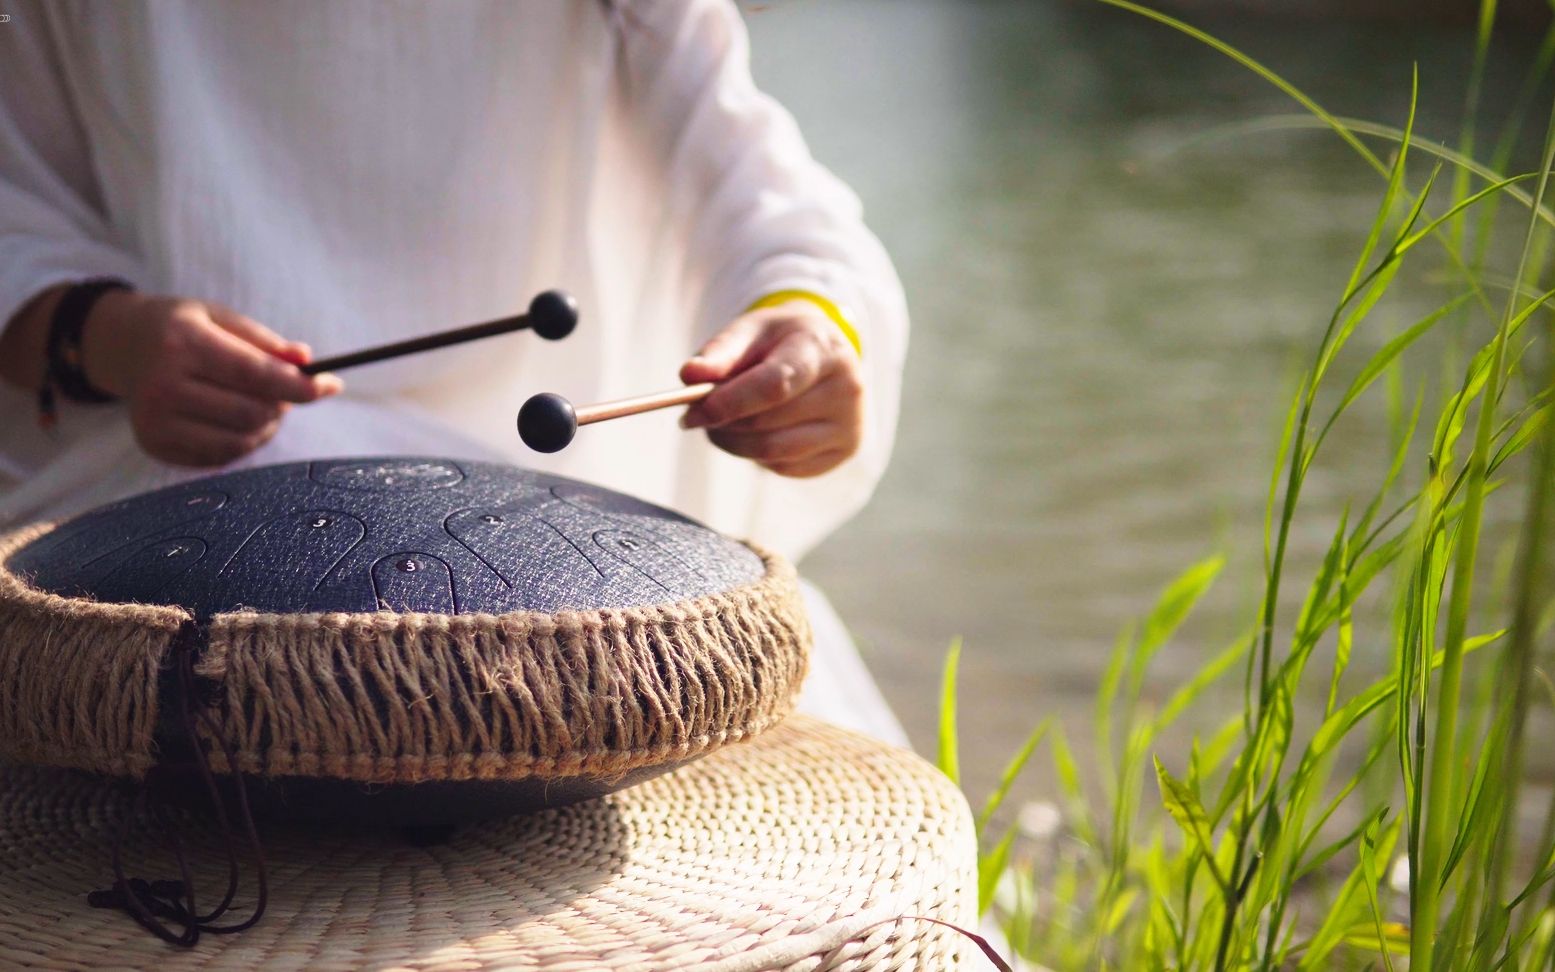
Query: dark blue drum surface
402,534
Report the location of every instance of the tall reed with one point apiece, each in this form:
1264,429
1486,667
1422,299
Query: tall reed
1273,846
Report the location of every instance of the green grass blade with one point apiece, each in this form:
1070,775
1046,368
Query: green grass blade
1011,770
1391,133
949,760
1521,438
1344,643
1175,604
1495,188
1295,93
1185,808
1347,909
1386,355
1487,19
1207,674
990,868
1389,194
1068,773
1442,768
1369,841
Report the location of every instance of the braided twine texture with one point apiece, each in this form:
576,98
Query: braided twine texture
791,852
407,698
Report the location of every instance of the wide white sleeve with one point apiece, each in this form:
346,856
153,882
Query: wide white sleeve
760,215
52,228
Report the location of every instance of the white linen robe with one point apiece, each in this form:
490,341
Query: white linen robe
352,173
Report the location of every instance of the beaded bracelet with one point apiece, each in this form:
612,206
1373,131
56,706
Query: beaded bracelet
62,371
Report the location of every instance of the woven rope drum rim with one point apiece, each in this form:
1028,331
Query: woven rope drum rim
407,698
786,852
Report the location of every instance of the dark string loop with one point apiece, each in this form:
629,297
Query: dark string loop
982,943
167,908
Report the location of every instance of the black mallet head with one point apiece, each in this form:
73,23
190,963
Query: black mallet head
553,314
547,422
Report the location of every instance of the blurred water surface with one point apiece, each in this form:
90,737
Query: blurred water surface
1112,296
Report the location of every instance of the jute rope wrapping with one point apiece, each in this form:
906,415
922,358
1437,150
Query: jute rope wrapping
77,678
407,698
792,852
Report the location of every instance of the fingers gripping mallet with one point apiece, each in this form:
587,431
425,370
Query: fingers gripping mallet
548,422
552,315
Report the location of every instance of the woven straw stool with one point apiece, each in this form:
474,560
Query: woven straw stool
790,852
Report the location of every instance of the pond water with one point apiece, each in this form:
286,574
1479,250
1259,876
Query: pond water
1112,295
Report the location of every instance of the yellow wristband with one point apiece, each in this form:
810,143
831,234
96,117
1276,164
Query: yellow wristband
784,296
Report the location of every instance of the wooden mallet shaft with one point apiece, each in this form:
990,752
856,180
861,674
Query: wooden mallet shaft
548,422
589,414
552,315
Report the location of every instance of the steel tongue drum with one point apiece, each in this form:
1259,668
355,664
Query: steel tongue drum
403,640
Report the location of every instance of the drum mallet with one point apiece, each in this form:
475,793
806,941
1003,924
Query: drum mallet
552,315
548,422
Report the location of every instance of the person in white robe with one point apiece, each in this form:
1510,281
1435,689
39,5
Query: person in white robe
280,179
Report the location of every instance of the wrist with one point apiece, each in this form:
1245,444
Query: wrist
107,341
814,300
